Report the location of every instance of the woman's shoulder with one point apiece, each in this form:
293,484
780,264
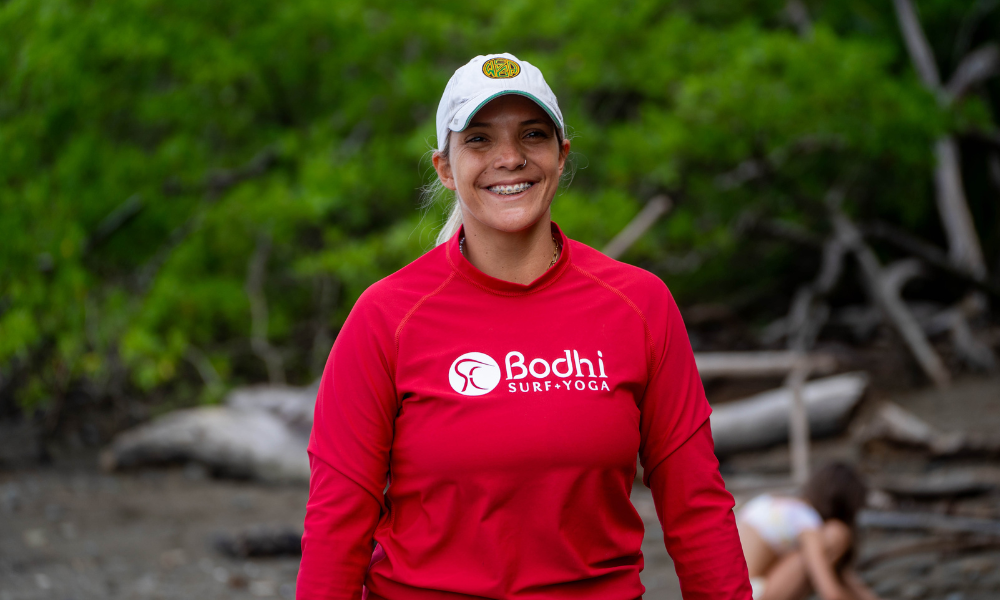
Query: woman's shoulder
394,295
637,284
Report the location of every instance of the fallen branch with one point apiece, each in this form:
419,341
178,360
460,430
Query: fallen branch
947,484
895,424
654,209
938,545
928,253
884,286
759,364
876,519
975,353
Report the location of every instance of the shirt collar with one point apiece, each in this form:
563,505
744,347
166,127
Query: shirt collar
508,288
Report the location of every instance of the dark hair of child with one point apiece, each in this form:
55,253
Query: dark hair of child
836,491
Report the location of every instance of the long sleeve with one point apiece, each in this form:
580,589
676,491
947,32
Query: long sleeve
699,529
680,467
349,457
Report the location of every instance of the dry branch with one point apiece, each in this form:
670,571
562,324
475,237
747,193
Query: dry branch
917,45
874,519
759,364
977,66
639,224
963,241
798,423
928,253
895,424
798,14
975,353
937,545
884,286
256,273
946,484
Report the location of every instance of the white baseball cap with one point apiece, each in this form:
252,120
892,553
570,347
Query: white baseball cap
485,78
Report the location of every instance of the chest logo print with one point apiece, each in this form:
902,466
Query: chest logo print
474,374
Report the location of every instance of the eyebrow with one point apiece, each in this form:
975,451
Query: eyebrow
528,122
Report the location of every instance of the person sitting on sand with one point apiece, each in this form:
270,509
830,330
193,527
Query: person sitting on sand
795,546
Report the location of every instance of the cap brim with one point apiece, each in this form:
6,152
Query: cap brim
469,110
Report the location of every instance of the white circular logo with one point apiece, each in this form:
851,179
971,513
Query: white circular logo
474,374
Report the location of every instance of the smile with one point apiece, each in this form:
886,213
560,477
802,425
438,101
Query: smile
507,190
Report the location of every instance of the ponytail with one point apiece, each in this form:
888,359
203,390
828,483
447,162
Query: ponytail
433,192
451,225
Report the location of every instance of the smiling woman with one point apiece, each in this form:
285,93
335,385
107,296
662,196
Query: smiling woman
505,169
472,480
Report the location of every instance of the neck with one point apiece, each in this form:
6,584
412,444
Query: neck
518,257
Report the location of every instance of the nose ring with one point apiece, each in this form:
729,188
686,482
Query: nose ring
525,164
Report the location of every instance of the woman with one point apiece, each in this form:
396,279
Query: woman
794,546
481,410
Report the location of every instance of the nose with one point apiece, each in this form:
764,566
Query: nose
509,156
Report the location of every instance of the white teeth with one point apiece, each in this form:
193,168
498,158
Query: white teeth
506,190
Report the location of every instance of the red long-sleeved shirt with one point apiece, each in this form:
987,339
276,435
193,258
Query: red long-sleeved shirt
505,419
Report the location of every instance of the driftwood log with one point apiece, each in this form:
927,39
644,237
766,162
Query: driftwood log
763,420
261,432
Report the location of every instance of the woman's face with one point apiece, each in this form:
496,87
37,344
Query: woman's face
506,165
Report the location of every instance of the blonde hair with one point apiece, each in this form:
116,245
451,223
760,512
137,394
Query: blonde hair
435,191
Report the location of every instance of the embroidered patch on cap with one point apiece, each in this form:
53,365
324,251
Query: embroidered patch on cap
501,68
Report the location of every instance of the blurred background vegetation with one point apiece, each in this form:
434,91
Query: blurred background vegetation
193,194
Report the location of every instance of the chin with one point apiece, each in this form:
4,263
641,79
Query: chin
512,220
509,218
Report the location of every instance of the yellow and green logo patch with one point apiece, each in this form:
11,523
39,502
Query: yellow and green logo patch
501,68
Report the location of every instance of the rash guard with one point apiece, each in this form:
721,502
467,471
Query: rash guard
476,438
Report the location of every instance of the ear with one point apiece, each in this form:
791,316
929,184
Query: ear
443,168
563,153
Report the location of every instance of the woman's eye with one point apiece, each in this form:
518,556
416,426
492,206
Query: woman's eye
475,139
536,134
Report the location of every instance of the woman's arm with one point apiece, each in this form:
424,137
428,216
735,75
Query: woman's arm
699,528
678,455
349,456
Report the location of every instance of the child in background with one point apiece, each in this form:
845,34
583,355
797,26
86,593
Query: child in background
794,546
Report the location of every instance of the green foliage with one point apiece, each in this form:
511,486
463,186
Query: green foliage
177,105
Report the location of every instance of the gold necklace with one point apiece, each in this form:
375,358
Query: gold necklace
555,250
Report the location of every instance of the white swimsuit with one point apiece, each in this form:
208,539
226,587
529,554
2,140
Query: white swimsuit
779,520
